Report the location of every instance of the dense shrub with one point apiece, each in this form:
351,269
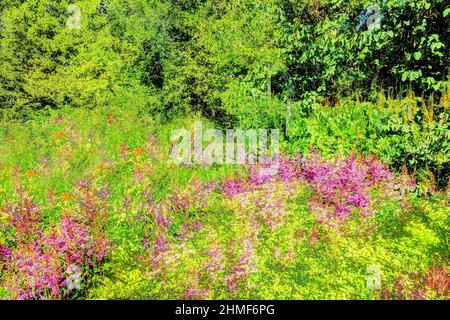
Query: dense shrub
225,59
357,47
407,133
45,64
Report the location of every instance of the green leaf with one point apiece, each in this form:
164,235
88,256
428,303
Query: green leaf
417,55
446,12
404,76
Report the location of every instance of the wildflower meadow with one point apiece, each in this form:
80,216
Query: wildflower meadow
217,150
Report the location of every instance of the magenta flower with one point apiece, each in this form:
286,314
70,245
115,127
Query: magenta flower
5,253
162,221
195,293
232,187
47,263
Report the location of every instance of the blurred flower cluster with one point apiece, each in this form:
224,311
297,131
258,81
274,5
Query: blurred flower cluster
43,260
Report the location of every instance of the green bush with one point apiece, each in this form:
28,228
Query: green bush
403,132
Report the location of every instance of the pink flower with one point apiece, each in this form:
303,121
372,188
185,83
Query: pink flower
5,252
